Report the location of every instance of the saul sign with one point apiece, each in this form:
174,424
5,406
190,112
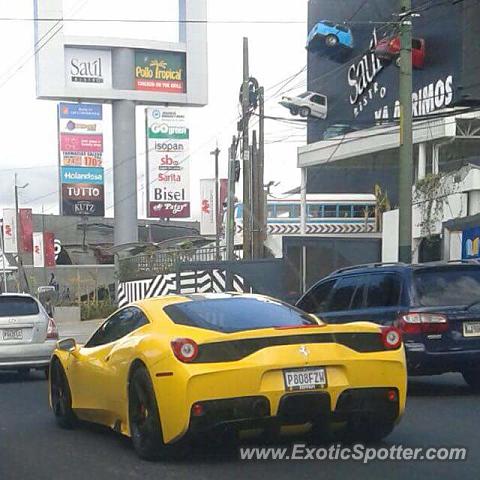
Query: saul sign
88,67
168,164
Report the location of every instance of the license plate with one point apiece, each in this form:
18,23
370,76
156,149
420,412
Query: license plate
471,329
13,334
305,378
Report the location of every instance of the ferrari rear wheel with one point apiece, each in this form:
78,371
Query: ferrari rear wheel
145,426
368,429
61,397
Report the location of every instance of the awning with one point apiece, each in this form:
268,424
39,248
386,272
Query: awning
373,140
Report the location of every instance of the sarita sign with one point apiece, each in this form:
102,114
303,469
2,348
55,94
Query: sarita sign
88,67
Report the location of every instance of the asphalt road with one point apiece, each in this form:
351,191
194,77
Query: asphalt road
441,411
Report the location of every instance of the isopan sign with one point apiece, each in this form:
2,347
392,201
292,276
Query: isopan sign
168,164
88,67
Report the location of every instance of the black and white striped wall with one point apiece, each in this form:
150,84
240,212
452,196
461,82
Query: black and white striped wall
195,281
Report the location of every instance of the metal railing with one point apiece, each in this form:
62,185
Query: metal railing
149,265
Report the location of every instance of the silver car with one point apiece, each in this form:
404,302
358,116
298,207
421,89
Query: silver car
27,334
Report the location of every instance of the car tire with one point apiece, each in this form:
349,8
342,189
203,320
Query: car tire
331,40
144,419
46,372
397,61
368,429
61,397
294,111
305,112
472,377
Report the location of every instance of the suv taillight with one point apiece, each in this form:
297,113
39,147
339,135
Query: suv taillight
52,330
428,323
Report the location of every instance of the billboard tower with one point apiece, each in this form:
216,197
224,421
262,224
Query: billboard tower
101,70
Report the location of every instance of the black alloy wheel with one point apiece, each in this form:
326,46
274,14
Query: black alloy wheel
61,396
144,418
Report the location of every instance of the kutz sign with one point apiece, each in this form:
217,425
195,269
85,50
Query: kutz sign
160,71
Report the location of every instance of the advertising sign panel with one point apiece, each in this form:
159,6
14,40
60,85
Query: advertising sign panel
88,67
26,230
80,156
49,249
9,230
80,111
207,207
471,243
168,164
160,71
38,250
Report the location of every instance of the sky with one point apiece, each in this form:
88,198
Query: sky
28,139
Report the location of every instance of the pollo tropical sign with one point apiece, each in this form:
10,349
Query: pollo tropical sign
160,71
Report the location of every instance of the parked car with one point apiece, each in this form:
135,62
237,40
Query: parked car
338,130
307,104
28,335
330,35
166,369
435,305
388,49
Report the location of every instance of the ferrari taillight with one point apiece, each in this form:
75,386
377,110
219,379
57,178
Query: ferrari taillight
428,323
391,337
52,330
185,349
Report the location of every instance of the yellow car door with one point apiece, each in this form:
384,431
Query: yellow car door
94,373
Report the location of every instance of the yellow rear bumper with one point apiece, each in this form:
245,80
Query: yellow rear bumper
261,374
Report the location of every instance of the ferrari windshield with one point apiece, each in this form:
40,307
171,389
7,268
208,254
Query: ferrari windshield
237,314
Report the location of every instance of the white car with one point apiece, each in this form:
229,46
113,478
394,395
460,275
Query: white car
28,335
307,104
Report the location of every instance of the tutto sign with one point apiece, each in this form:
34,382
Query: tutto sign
160,71
168,164
81,149
88,67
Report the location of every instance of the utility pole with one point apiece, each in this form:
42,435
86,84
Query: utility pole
247,171
258,189
22,279
216,153
5,286
230,224
406,135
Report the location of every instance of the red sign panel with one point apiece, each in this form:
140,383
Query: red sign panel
26,229
169,209
49,248
70,142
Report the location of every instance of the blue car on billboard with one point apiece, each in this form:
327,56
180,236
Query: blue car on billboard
330,35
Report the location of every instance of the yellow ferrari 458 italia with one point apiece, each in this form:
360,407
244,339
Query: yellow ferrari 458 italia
167,369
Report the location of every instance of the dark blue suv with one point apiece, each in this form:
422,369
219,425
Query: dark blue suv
436,305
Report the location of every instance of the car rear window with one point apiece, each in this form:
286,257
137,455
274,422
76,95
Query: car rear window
17,306
230,315
447,287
